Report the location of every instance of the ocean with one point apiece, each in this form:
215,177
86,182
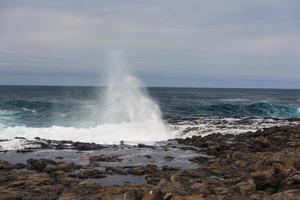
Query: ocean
52,111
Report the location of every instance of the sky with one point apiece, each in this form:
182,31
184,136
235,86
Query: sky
173,43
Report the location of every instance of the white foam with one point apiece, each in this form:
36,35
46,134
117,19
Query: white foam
16,144
135,132
29,110
236,100
132,133
6,112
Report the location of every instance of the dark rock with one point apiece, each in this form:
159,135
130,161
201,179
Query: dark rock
141,170
104,158
291,182
169,168
82,146
46,165
153,195
19,166
145,146
4,165
90,173
169,158
168,196
199,159
133,194
25,151
20,138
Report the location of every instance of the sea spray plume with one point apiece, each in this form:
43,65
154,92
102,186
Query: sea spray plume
128,103
126,99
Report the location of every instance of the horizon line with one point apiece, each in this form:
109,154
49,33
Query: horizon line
187,87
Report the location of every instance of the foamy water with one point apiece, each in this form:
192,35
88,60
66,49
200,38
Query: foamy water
131,133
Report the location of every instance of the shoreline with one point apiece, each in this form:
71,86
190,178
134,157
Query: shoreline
36,137
260,165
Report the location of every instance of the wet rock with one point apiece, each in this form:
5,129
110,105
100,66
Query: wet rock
112,193
153,195
82,146
104,158
246,187
133,194
199,159
153,179
25,151
145,146
24,185
169,168
265,179
4,165
263,140
20,138
291,182
90,173
286,195
19,166
168,196
169,158
190,197
140,169
46,165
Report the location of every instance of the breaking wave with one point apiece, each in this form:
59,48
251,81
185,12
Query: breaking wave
259,109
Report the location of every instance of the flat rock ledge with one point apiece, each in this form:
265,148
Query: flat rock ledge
260,165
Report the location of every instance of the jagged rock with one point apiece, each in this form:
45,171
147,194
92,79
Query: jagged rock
153,195
291,182
82,146
286,195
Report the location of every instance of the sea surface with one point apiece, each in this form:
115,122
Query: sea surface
45,106
45,109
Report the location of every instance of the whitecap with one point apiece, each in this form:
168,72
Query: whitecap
131,133
29,110
236,100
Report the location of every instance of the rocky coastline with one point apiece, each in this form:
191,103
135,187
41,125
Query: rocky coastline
254,165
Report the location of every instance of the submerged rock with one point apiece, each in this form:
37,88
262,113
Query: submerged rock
104,158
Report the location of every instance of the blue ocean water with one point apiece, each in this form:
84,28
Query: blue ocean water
45,106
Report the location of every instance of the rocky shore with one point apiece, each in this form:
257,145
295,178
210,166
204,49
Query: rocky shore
260,165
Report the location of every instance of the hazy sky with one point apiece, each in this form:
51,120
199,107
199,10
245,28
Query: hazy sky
199,43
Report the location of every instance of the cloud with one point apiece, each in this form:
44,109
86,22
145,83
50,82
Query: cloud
241,38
